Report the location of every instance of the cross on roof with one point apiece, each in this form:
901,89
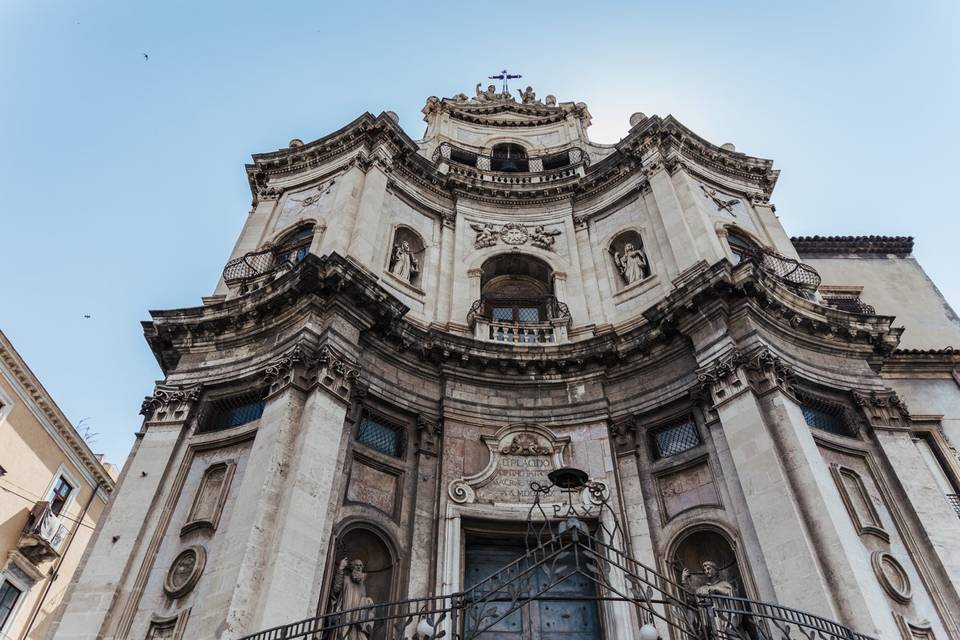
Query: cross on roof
504,75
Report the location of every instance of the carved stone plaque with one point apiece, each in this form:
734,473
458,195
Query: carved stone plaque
686,488
519,455
372,486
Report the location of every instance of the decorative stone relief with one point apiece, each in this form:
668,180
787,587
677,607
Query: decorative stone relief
335,372
687,488
512,233
892,576
519,455
724,377
184,572
168,627
858,502
283,370
720,200
210,498
169,403
430,433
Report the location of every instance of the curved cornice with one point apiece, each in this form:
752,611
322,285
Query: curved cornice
652,143
50,415
338,282
830,246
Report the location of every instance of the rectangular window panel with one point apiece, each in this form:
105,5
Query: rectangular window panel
676,438
380,435
503,313
528,314
58,496
9,595
823,420
236,411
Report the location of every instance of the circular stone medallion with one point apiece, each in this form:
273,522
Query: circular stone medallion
892,576
185,571
513,233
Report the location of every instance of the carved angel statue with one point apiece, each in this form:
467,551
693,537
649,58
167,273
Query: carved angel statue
527,96
486,235
349,592
712,584
405,265
543,238
632,263
488,95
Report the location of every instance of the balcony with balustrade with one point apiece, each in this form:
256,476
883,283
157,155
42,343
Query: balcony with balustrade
509,166
44,534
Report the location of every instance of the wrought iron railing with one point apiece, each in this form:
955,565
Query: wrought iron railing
257,264
849,303
792,273
563,545
524,310
535,164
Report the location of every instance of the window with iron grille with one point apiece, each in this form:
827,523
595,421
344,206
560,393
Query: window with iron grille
9,595
380,435
234,411
675,438
954,502
824,418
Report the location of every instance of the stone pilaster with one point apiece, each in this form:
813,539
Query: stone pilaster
291,582
672,217
424,535
120,540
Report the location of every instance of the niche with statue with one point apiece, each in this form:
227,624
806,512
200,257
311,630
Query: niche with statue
406,256
629,259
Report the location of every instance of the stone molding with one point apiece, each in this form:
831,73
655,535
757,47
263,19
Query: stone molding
883,410
828,246
892,576
170,403
49,415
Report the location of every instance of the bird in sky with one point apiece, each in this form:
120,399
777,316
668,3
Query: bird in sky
87,316
146,57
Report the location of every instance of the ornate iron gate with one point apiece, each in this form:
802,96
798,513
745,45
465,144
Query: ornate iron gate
577,540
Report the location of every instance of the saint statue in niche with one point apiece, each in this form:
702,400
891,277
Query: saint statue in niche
349,592
404,265
632,263
712,584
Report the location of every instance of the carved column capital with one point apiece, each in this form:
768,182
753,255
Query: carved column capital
336,373
429,434
766,371
883,409
624,434
288,369
724,378
170,403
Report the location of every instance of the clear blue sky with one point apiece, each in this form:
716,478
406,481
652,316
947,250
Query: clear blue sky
122,178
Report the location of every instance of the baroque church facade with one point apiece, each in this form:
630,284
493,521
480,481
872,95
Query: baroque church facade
505,382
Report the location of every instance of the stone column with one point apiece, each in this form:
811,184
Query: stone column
594,283
120,539
672,218
448,250
255,526
291,580
889,420
423,543
811,550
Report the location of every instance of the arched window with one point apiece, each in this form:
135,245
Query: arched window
294,246
509,157
406,256
517,288
629,258
741,246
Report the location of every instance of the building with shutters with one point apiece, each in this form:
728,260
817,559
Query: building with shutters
53,491
505,382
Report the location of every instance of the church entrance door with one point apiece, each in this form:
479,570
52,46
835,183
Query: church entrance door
572,615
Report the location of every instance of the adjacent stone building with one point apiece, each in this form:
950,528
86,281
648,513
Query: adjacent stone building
53,491
608,365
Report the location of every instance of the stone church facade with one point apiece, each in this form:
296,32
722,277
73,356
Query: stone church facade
504,343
